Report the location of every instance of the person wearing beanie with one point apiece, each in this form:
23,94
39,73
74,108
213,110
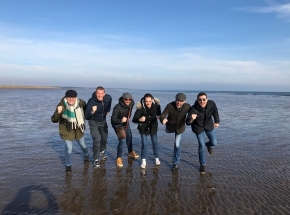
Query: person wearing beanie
200,118
120,117
69,114
173,116
98,107
147,112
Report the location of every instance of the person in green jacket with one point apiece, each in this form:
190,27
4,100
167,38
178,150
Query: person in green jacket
69,114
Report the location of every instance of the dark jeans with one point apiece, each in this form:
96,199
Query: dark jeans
99,132
127,140
202,144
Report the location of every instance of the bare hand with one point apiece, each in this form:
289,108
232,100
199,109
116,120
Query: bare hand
94,109
193,116
216,125
59,109
142,119
124,119
164,121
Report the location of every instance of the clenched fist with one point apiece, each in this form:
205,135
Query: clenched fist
59,109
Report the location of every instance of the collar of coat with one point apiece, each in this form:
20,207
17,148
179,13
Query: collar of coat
141,103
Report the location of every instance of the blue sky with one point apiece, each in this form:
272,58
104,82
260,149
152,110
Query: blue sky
182,45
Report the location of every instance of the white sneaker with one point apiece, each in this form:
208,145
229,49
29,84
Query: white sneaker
157,161
143,165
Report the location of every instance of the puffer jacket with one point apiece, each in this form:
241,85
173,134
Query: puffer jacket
204,117
176,119
150,125
121,110
72,134
103,107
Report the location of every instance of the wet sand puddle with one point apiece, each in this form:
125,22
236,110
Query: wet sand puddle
249,178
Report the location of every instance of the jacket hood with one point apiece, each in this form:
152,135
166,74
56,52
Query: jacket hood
121,102
141,103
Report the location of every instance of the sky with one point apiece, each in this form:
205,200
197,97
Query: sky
207,45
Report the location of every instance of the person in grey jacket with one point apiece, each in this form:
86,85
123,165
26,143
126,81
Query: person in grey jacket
173,117
97,109
200,117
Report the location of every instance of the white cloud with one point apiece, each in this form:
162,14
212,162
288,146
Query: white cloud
46,62
282,10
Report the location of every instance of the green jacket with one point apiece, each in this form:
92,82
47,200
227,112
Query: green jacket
74,134
176,119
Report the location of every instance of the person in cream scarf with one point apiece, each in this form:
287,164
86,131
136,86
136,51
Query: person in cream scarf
69,114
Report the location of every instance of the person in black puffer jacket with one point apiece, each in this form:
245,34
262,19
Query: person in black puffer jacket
148,110
120,117
200,118
97,109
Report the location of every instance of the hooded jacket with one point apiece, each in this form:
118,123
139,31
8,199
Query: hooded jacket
204,117
121,110
150,125
103,107
65,134
176,118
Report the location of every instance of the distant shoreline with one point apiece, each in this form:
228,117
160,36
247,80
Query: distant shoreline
27,87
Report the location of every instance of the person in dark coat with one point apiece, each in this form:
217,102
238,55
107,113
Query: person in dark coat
146,114
173,117
120,117
97,109
200,118
69,114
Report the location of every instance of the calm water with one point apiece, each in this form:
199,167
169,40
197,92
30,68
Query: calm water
248,174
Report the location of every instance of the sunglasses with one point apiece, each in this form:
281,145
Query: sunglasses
127,99
201,100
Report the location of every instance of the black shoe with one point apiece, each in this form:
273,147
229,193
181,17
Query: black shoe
210,150
175,167
86,159
202,169
103,155
68,169
96,164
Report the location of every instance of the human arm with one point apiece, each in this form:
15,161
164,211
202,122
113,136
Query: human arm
191,116
163,116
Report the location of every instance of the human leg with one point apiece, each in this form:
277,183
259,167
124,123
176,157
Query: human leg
177,149
94,130
201,147
68,151
83,145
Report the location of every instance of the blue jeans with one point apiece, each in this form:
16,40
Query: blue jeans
99,132
144,146
202,144
177,149
127,140
68,149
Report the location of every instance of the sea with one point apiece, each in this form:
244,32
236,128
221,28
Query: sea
249,172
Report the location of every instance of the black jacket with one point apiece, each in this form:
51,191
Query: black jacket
176,118
121,110
103,107
150,125
204,117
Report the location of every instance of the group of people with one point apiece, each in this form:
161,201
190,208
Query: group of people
72,112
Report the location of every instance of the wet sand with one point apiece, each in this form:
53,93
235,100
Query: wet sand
249,172
241,178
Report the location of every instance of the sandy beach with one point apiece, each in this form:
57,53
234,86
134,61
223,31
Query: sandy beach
249,172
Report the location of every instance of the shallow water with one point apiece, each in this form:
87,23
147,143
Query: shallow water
249,172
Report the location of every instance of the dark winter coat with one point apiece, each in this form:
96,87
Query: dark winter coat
149,126
204,117
65,134
176,118
121,110
103,107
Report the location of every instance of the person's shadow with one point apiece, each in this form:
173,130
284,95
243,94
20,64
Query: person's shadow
32,199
